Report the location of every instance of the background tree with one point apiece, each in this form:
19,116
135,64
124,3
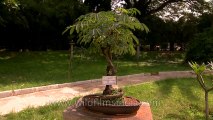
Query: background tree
149,7
98,5
108,33
163,32
200,48
37,25
187,28
157,35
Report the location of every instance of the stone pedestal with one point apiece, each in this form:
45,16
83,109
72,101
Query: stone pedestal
79,112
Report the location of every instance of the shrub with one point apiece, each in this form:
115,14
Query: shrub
200,49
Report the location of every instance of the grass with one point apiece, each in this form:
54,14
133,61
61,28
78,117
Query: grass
180,99
30,69
171,99
49,112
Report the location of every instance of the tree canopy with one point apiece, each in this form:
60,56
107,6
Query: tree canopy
150,7
108,30
37,25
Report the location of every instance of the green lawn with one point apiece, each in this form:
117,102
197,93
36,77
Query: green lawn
29,69
172,99
180,99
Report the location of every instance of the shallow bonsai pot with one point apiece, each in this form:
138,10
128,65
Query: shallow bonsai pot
131,105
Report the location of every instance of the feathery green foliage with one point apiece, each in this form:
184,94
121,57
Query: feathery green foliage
108,29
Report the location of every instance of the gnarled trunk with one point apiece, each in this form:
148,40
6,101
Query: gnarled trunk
110,70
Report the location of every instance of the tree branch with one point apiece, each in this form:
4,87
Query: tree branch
200,79
148,2
160,7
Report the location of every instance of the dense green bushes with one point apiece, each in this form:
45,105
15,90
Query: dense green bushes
200,49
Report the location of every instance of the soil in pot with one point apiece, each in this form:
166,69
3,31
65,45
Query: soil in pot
123,105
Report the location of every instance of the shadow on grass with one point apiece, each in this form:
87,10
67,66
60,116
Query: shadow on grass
30,69
194,112
192,98
185,87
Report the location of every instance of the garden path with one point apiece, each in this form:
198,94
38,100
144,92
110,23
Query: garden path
54,93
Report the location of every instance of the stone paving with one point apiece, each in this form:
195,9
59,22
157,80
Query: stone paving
59,92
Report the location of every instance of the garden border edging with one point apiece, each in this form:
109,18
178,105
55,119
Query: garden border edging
10,93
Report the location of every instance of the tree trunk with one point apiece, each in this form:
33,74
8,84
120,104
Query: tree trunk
206,105
172,48
152,47
138,52
110,70
108,90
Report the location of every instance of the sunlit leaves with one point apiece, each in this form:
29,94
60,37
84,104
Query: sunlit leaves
198,69
11,4
210,64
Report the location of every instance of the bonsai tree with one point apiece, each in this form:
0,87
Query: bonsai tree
199,70
108,33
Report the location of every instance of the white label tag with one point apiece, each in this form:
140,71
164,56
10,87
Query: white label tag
109,80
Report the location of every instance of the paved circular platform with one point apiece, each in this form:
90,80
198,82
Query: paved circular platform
79,112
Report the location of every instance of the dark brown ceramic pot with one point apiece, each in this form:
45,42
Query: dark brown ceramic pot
111,105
